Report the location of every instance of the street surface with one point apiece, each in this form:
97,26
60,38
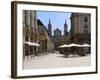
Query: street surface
52,60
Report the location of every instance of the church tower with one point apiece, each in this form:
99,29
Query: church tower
50,28
65,28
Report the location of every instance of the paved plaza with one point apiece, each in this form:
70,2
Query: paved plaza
55,60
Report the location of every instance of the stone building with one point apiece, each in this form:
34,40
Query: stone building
57,38
60,39
80,28
44,39
36,38
29,28
66,35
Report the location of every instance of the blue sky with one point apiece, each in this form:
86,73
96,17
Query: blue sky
57,19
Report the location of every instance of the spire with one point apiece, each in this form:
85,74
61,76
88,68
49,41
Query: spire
50,28
65,21
65,25
49,21
65,28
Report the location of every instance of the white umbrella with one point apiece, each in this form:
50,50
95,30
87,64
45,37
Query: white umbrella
65,45
86,45
77,45
73,44
32,44
70,45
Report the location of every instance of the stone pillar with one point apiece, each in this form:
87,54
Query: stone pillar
27,26
36,29
27,18
23,33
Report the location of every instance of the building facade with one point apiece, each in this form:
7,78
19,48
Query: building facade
29,28
44,39
57,37
80,28
66,35
36,39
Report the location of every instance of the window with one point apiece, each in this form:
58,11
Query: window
85,19
85,30
85,26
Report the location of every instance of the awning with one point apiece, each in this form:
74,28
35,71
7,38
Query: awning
32,44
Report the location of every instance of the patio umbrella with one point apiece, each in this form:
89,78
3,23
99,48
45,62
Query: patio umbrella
32,44
75,45
63,46
86,45
70,45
